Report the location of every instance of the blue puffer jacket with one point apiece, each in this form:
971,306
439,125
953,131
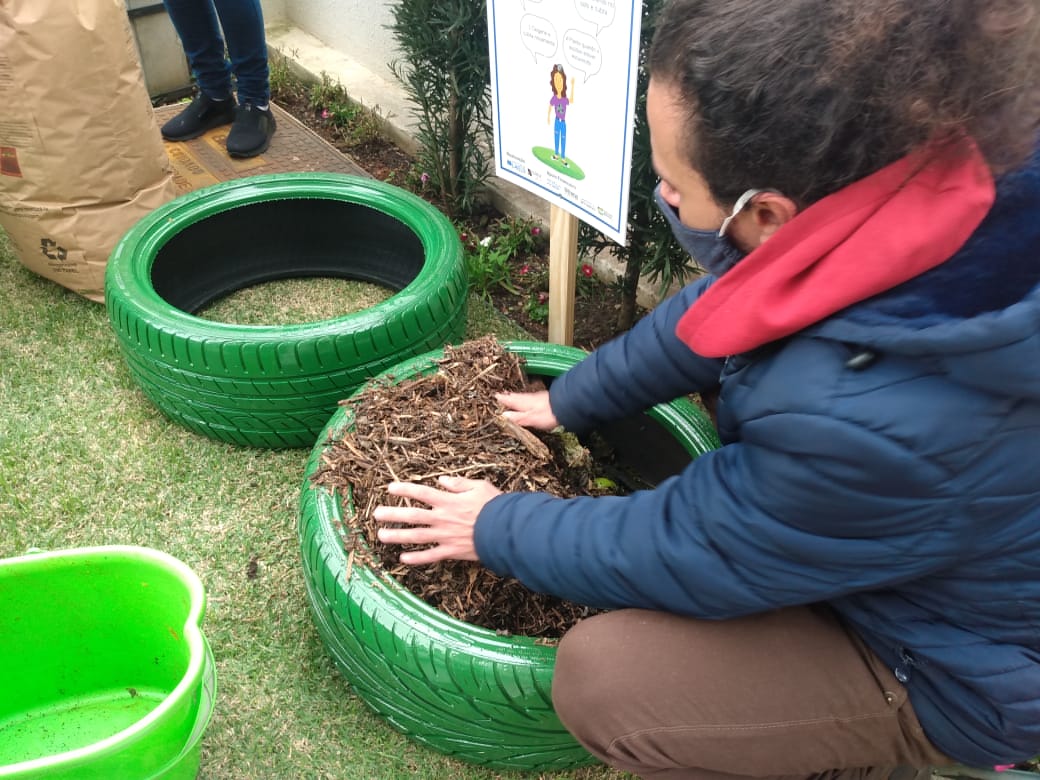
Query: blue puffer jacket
905,491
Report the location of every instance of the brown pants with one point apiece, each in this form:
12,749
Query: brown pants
786,694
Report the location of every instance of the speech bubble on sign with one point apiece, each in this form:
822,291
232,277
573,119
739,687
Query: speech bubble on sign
597,12
538,36
582,53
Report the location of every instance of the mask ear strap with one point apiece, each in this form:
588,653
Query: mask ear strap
739,206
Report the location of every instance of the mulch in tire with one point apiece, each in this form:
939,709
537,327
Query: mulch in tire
449,423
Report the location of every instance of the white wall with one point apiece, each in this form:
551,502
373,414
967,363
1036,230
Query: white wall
274,11
355,27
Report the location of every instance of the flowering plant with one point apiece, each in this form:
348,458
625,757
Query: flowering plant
489,259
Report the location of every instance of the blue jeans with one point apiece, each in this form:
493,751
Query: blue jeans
560,137
243,24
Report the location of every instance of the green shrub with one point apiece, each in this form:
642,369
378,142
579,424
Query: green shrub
446,71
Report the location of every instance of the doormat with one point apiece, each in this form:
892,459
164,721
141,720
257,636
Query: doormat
294,148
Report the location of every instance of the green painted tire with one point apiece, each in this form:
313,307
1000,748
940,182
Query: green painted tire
459,689
275,386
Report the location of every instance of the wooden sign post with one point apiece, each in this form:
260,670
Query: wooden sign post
563,269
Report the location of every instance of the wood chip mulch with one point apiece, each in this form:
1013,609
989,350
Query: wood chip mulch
449,423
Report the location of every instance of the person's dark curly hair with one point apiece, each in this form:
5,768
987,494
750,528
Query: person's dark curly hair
806,96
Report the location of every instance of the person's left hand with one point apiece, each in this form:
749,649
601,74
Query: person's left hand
447,523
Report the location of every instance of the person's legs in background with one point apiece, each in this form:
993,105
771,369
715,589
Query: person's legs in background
243,23
196,22
786,694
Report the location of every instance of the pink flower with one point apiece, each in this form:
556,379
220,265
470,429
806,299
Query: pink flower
587,270
324,113
463,236
424,178
525,269
536,231
543,297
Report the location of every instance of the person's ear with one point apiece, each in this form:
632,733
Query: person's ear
766,214
770,211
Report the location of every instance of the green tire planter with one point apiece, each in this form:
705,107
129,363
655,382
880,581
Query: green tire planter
108,672
275,386
459,689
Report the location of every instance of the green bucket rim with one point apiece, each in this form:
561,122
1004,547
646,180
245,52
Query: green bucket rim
192,633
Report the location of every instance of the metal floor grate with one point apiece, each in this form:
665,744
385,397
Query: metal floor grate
203,161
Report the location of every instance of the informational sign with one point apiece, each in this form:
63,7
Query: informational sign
563,82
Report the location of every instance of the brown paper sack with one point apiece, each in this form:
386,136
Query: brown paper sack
81,157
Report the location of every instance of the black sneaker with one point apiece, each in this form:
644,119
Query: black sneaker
251,132
202,114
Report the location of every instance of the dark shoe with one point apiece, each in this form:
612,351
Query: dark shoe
251,132
202,114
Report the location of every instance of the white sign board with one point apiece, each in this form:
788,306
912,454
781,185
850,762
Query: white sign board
563,83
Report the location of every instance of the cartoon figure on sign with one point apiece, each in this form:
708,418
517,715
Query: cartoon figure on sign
558,106
556,158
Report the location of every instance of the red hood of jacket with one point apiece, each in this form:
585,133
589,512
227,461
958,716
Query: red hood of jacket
858,242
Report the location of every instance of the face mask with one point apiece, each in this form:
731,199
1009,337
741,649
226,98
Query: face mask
711,249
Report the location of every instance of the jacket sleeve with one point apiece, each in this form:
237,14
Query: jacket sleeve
645,366
806,507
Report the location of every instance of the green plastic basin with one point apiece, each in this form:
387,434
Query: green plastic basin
106,671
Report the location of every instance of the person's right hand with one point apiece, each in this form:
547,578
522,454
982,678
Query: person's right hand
530,410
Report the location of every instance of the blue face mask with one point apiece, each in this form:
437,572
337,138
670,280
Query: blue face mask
711,249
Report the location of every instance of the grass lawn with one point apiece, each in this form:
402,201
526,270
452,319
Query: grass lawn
86,459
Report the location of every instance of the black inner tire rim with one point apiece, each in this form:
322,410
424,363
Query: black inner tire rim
284,239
